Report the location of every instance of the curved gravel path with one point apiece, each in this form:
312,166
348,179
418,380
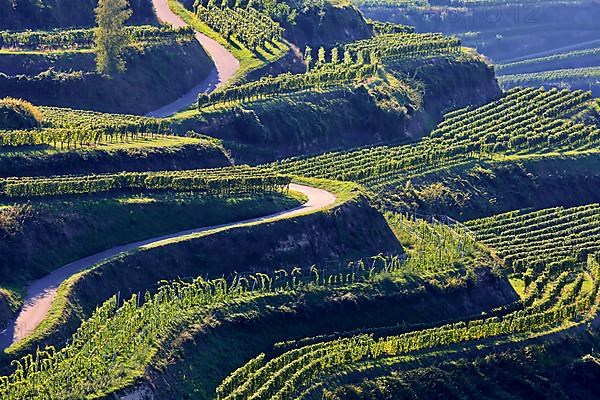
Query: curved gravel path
41,293
226,65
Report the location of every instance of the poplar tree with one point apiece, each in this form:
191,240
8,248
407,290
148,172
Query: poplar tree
110,36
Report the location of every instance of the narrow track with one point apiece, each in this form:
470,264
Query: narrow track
226,65
41,293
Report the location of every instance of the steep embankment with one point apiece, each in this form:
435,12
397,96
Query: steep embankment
448,83
43,235
382,112
155,76
98,160
487,188
345,231
41,293
198,361
40,236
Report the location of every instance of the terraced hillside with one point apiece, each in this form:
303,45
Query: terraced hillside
532,44
390,77
292,201
48,67
552,235
68,141
522,122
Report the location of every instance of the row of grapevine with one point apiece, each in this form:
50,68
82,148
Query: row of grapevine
540,63
300,372
436,243
221,181
571,75
533,239
326,77
386,27
84,38
249,26
66,128
113,347
522,121
340,67
67,138
390,3
108,123
397,47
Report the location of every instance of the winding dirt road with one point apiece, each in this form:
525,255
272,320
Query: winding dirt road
41,293
226,65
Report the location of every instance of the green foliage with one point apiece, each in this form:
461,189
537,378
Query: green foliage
302,372
389,27
68,128
19,114
247,25
73,39
326,77
220,181
390,3
395,47
325,71
12,218
523,121
539,238
571,76
110,36
115,345
541,63
558,370
434,244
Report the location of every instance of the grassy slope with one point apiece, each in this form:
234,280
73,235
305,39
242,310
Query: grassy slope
62,230
59,231
158,153
478,189
65,313
385,110
202,356
176,68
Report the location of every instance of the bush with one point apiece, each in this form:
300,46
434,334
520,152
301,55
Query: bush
19,114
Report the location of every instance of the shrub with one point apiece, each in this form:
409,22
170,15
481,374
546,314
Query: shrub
19,114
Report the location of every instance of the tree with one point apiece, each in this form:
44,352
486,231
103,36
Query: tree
335,55
308,57
321,56
347,57
110,35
